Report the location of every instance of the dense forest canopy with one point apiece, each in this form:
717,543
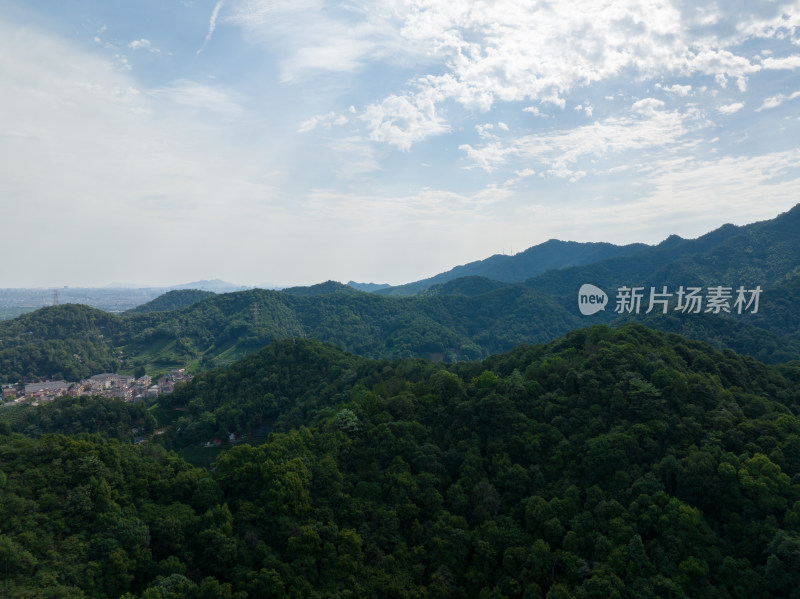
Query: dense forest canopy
608,463
465,319
172,300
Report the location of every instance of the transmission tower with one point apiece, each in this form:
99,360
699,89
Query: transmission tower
55,297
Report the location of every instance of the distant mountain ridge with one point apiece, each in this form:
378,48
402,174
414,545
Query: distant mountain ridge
369,287
172,300
215,285
765,253
465,318
552,254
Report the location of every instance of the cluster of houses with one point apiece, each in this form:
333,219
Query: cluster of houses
120,386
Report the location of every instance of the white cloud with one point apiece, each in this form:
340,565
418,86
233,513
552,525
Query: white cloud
682,196
94,162
788,63
212,24
85,143
324,120
404,120
678,90
647,125
479,54
143,44
775,101
309,37
485,130
731,108
520,175
533,110
782,20
721,64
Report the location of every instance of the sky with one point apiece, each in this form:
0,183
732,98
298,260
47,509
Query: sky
289,142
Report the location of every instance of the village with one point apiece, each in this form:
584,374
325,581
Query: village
119,386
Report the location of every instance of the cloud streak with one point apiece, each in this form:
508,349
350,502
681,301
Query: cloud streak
775,101
648,125
212,24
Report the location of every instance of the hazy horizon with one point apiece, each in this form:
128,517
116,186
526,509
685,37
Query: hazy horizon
298,142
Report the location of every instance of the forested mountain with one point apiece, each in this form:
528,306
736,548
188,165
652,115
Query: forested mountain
215,286
607,463
110,418
320,289
70,340
462,319
471,286
367,286
223,327
771,335
552,254
172,300
765,253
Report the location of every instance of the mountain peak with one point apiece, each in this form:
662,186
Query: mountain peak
320,289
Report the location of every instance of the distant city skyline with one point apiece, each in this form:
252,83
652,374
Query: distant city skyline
288,143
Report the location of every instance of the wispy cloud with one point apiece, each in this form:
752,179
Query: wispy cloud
143,44
212,24
775,101
196,95
647,125
322,120
683,196
477,55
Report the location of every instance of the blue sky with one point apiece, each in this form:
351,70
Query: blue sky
291,142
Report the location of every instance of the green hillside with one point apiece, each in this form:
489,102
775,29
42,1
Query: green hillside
172,300
68,341
607,463
466,318
224,327
765,253
552,254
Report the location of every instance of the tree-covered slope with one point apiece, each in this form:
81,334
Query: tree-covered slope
172,300
607,463
464,319
107,417
552,254
68,341
765,253
224,327
470,285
